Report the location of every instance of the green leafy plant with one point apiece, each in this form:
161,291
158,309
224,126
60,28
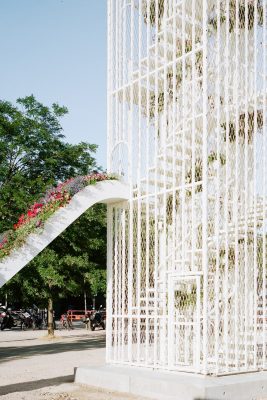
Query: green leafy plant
169,206
178,77
213,157
254,11
150,16
197,177
184,299
246,126
179,69
152,104
199,171
179,47
222,259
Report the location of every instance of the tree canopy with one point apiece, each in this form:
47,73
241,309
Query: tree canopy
74,262
34,155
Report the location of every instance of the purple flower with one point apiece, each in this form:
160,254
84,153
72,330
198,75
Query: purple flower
73,186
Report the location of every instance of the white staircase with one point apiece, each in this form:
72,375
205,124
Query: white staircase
110,191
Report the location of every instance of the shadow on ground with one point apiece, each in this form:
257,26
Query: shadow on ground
17,340
78,343
34,385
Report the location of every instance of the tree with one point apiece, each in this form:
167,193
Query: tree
34,155
47,278
73,262
87,237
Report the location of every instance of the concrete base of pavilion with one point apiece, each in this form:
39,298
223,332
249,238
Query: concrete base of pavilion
159,385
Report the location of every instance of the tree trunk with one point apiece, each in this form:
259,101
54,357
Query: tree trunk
85,301
50,318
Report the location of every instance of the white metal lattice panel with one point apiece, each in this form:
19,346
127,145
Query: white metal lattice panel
187,130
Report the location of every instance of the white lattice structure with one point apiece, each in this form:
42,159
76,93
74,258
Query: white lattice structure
187,130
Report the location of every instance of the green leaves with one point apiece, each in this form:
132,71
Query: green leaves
48,268
33,155
97,280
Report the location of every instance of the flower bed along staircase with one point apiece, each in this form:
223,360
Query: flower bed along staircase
48,218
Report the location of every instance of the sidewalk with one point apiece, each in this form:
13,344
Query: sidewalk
34,368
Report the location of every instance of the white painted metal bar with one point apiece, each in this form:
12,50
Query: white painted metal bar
147,199
109,283
156,213
109,81
264,130
125,310
205,190
254,141
131,215
117,71
109,209
123,280
163,276
139,152
183,112
119,138
226,191
173,192
218,187
246,191
193,101
237,201
115,286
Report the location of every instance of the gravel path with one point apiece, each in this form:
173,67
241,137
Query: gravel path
33,367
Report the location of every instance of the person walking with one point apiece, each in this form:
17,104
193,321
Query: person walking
63,321
69,322
87,321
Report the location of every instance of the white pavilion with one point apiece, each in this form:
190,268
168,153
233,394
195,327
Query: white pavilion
187,132
187,223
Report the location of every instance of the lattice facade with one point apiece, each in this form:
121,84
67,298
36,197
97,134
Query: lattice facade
187,131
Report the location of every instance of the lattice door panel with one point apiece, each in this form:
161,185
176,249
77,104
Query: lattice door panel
184,322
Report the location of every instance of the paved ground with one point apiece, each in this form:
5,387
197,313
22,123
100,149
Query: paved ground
35,368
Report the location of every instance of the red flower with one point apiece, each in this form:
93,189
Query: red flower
21,218
58,194
20,222
37,206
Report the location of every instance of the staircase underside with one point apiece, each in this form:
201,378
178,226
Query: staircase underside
103,192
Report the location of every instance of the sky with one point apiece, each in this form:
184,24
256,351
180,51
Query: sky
56,50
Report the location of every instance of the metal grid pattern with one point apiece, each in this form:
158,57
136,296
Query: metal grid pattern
187,131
